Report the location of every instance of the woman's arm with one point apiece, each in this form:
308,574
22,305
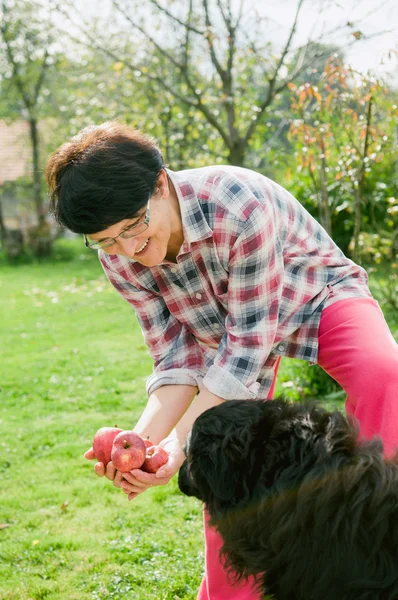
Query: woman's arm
165,408
170,405
203,401
137,481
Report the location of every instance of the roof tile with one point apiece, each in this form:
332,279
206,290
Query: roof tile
15,152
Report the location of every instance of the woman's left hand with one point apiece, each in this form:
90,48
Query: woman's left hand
136,481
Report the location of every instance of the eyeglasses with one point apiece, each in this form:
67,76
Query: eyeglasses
126,234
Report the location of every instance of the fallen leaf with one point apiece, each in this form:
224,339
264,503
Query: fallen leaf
5,525
64,505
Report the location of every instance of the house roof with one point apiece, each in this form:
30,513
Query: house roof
15,152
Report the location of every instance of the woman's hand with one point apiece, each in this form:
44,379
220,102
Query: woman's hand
110,472
136,481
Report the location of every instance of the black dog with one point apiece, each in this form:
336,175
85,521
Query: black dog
301,504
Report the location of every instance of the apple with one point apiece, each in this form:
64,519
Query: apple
128,451
155,458
148,443
102,443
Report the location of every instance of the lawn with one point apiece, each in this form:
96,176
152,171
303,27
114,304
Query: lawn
73,360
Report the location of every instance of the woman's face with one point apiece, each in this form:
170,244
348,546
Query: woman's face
161,239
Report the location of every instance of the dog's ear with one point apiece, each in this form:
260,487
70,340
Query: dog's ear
225,465
221,479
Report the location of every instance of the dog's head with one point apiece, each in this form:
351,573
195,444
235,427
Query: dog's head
220,453
239,448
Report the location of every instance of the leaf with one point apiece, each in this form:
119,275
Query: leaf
64,505
318,97
302,96
329,100
5,525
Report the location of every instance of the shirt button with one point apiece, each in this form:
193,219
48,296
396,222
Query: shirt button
281,347
198,296
173,270
216,325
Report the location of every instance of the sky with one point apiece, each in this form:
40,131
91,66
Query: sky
369,16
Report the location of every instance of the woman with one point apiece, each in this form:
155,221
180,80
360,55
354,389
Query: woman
226,272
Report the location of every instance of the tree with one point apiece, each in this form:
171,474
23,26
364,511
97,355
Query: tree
339,135
209,56
26,46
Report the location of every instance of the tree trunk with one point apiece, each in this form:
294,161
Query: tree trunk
37,196
40,236
14,243
237,154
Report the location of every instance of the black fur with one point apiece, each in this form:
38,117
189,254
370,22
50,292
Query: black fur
300,503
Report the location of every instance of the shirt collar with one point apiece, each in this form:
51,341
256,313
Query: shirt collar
194,223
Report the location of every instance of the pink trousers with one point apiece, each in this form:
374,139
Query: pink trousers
357,349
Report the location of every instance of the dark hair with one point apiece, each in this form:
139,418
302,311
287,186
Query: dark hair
102,176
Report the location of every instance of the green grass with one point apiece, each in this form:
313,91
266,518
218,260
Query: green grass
72,360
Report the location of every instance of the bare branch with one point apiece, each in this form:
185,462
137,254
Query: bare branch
185,24
210,38
188,31
288,43
228,82
240,14
269,96
226,20
146,34
40,79
232,28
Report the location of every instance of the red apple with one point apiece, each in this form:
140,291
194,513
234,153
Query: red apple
155,458
148,443
128,451
102,443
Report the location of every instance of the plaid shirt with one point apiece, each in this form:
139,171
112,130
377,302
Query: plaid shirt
253,274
